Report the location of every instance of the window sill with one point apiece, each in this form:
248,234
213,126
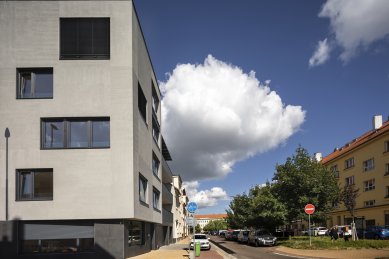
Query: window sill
144,204
157,210
85,57
157,177
43,199
34,98
64,148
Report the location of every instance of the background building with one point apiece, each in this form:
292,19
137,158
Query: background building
204,219
180,201
364,162
86,163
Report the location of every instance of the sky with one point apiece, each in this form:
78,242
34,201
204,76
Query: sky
244,83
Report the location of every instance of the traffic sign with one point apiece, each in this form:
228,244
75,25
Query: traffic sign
309,209
192,207
191,221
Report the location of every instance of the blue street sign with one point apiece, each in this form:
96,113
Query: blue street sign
192,207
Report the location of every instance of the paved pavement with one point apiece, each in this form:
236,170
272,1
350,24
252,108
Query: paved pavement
180,251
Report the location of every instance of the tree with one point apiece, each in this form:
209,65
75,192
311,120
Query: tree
239,211
197,228
215,225
349,196
302,180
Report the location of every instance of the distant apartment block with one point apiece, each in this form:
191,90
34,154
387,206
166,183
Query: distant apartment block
86,162
180,228
204,219
364,162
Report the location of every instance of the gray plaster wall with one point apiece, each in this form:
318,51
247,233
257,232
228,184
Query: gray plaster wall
88,183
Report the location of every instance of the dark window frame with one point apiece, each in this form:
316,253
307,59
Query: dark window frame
156,130
33,171
78,41
143,179
142,103
349,163
133,227
155,160
157,206
66,131
36,70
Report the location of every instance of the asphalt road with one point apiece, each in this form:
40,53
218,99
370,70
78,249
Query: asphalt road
243,251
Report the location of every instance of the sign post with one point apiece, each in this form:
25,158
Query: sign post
192,207
309,209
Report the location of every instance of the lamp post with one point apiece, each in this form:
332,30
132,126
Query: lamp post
6,135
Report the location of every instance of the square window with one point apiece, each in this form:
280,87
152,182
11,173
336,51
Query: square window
84,38
34,184
350,180
369,185
368,165
34,83
136,233
349,163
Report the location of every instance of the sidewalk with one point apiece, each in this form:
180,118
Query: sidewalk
180,250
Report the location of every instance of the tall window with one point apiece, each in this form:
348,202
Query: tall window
386,146
387,169
156,130
34,83
142,189
84,38
75,133
368,165
156,195
136,233
369,185
155,165
349,163
387,192
155,98
34,184
142,103
349,180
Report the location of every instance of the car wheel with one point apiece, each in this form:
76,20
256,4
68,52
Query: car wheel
256,244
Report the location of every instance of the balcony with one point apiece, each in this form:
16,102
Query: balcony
167,176
167,196
167,217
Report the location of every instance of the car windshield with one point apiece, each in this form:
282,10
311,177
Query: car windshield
200,237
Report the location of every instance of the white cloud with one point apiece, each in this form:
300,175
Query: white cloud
357,23
215,115
204,198
321,55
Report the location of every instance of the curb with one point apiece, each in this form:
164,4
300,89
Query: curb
222,252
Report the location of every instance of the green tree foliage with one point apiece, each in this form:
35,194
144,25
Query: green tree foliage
215,225
349,196
302,180
198,228
239,212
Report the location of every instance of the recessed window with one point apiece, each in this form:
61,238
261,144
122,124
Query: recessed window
156,129
155,98
84,38
136,233
387,169
369,203
75,133
142,103
386,148
334,169
155,165
142,189
349,180
349,163
156,195
368,165
34,83
34,184
369,185
387,192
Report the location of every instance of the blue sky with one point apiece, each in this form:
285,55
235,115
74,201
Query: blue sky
334,97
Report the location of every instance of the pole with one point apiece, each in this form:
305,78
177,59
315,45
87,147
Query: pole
6,135
309,229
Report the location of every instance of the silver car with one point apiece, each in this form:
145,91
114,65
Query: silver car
261,238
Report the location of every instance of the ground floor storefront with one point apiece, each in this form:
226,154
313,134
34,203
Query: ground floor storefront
106,239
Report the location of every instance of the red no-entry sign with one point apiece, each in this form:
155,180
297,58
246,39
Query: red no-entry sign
309,209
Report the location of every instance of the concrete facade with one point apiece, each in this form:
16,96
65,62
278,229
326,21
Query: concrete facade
97,184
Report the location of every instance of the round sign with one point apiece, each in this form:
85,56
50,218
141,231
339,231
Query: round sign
309,209
192,207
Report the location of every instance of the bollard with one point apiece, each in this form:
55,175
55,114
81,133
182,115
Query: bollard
197,248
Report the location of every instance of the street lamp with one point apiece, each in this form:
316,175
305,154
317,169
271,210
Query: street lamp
7,134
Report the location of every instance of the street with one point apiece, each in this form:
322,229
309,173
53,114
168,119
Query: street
243,251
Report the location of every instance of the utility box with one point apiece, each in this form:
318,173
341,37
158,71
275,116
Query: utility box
197,249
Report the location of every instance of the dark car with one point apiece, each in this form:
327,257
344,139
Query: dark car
261,238
377,232
235,234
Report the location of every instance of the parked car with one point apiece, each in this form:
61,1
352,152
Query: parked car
235,234
222,233
228,234
202,239
316,231
343,231
377,232
261,238
243,236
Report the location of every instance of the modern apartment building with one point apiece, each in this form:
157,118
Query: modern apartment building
364,162
180,201
204,219
83,168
